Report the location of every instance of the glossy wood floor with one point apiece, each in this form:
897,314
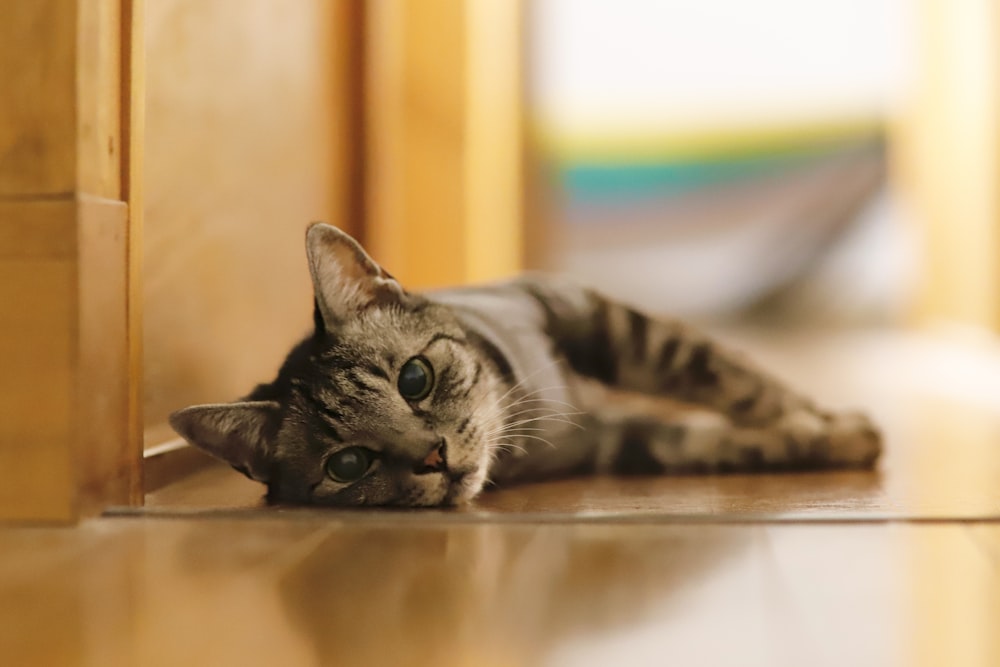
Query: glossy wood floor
315,591
895,567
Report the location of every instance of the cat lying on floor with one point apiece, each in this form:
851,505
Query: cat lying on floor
421,399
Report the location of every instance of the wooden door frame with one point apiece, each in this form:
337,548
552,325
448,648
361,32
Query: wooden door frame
71,210
445,139
70,228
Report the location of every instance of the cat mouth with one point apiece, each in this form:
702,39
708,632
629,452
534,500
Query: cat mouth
461,488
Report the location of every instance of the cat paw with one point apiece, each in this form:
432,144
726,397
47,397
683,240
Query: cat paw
854,440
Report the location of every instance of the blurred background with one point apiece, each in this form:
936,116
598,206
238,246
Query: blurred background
819,166
722,158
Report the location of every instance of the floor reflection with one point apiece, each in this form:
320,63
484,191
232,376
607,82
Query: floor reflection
489,595
955,596
310,591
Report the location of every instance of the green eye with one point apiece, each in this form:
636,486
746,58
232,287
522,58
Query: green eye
348,465
416,379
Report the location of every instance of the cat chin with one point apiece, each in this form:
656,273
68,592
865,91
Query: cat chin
444,493
464,490
451,494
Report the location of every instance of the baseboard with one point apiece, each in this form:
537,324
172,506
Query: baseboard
170,462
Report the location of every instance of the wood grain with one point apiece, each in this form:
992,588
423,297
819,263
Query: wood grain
38,121
308,591
38,355
107,462
494,201
63,253
444,148
133,95
60,123
246,126
62,347
99,102
416,181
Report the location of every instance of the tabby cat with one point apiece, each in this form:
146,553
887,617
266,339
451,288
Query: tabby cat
405,399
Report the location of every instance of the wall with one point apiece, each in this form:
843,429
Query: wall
247,116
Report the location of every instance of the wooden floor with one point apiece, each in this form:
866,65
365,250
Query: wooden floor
895,567
389,591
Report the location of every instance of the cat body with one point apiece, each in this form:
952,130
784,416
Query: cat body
413,400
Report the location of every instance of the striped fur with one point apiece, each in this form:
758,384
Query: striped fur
516,368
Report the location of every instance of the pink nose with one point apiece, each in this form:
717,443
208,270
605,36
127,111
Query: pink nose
435,460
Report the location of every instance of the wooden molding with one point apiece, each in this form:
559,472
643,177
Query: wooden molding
64,287
63,393
107,465
170,462
133,124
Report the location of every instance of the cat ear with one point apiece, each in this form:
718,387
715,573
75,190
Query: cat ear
345,279
233,432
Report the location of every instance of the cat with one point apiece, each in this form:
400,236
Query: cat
403,399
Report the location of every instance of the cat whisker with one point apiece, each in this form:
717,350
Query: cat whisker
543,406
521,428
540,404
536,414
511,429
555,418
514,431
531,397
506,446
536,437
526,378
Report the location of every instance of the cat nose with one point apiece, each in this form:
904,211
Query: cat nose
435,461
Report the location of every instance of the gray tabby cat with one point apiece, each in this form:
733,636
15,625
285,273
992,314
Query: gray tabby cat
419,400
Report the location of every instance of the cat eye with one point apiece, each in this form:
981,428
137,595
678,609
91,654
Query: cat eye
416,379
349,465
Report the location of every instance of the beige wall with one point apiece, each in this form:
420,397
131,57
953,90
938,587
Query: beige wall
247,109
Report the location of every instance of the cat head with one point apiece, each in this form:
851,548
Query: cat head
388,402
